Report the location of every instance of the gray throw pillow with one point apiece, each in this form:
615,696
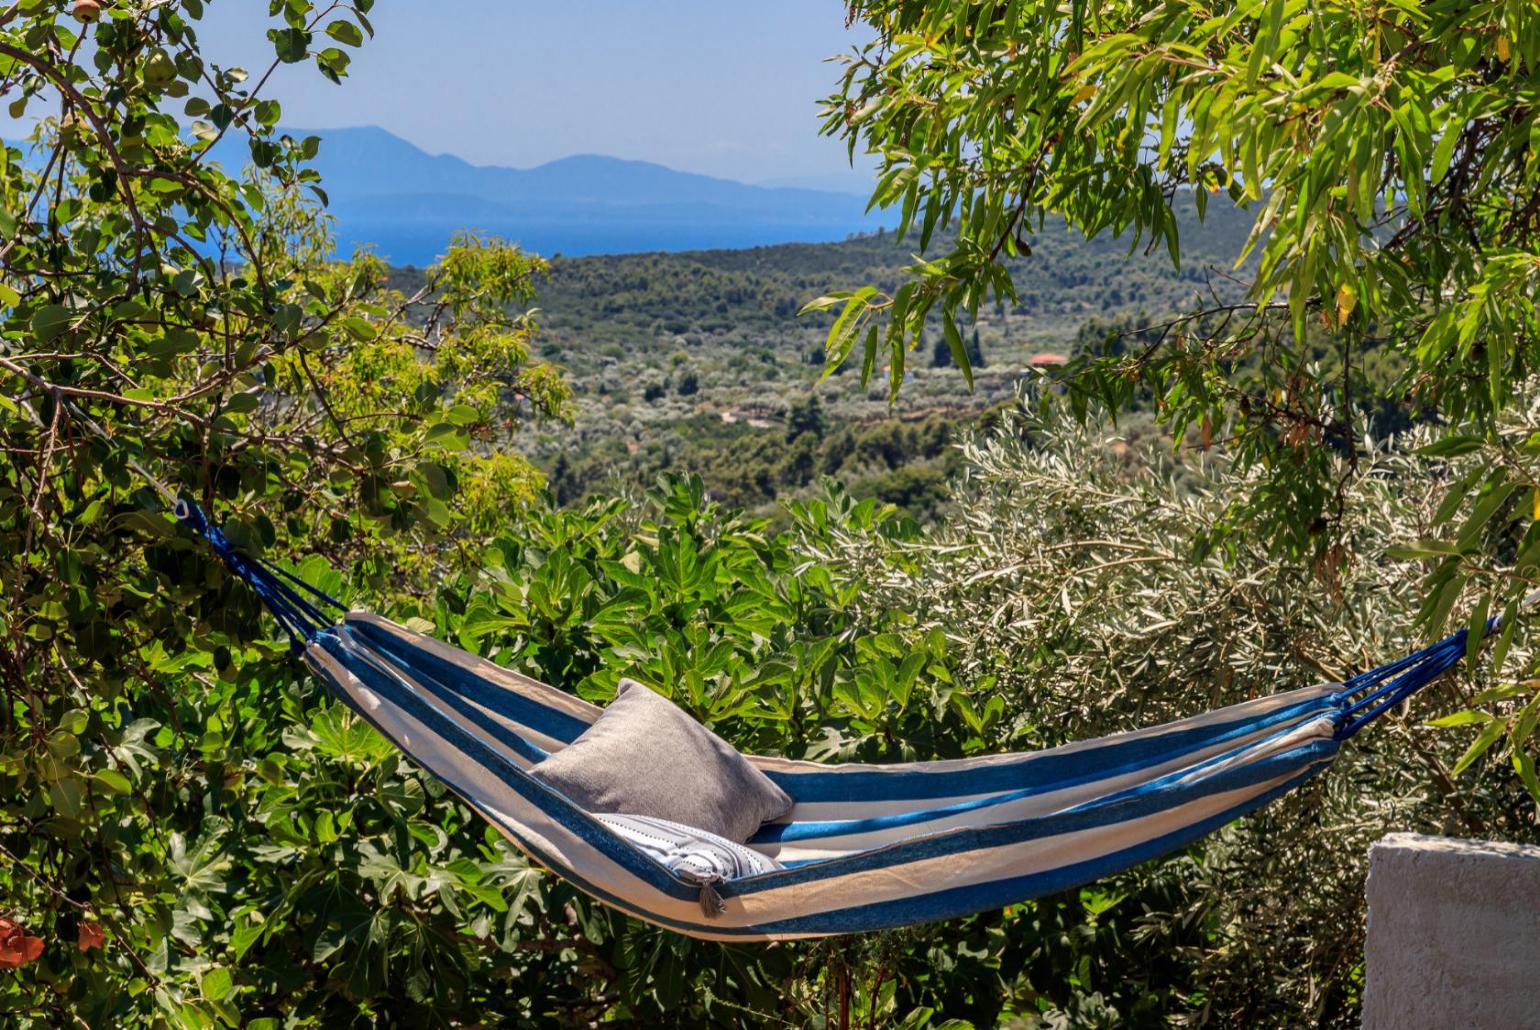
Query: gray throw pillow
646,756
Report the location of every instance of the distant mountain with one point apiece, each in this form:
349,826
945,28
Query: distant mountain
848,183
407,203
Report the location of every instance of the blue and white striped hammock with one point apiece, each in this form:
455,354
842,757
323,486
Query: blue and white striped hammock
866,847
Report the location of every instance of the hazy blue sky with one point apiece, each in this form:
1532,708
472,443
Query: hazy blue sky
724,87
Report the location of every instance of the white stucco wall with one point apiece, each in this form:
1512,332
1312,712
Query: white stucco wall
1454,934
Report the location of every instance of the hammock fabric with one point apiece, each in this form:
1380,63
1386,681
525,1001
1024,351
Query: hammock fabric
865,847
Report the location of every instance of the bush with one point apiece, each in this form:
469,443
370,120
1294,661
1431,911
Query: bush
1078,576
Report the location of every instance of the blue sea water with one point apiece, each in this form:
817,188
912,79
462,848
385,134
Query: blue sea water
415,243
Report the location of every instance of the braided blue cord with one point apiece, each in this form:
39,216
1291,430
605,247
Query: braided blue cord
1370,694
1396,682
301,619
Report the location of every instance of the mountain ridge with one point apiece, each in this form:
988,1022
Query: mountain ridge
406,203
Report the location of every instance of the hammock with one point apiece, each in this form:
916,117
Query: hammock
866,847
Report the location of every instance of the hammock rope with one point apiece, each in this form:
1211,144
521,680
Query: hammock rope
301,614
864,847
1387,686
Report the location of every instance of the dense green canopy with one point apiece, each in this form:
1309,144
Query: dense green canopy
1387,156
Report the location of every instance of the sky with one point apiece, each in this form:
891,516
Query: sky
721,87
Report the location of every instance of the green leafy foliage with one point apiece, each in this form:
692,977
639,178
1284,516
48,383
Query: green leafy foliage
1383,164
1387,170
1067,579
165,326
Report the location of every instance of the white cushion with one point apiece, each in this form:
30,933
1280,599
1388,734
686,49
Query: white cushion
695,855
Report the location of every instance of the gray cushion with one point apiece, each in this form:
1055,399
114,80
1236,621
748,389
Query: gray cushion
645,756
695,855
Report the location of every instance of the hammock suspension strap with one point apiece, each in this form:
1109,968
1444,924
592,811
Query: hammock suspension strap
302,612
1370,694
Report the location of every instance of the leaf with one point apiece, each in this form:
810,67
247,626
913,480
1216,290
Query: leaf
359,328
1347,300
481,622
825,302
1421,550
268,112
1452,446
1524,765
1491,503
200,869
1476,631
842,335
446,436
1490,735
954,343
1443,152
67,795
113,781
346,33
217,984
1505,638
463,415
1441,602
291,45
338,733
50,321
1465,718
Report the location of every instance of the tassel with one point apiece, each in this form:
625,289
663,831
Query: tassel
711,902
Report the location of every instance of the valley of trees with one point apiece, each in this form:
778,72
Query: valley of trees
698,361
1251,476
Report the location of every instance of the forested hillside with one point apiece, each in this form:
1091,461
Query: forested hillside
700,360
1065,278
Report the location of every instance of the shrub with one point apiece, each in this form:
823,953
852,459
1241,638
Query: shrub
1077,579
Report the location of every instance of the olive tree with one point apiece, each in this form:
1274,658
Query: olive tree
1068,591
1386,155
